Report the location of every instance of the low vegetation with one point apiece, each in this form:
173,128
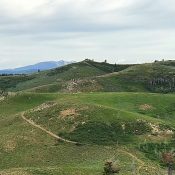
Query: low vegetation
91,76
110,131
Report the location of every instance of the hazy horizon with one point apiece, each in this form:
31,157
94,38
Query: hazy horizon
98,60
122,31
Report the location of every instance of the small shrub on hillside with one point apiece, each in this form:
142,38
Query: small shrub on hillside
169,159
110,168
137,127
102,133
98,133
164,127
154,151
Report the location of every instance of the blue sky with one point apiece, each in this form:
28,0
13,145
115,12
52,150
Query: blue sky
121,31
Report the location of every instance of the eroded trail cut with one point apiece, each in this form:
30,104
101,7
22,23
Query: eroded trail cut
45,130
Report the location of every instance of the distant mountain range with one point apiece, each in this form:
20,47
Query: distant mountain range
36,67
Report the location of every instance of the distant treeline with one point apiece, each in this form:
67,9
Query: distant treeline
10,81
5,75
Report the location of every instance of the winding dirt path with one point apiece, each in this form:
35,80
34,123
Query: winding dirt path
133,156
142,165
45,130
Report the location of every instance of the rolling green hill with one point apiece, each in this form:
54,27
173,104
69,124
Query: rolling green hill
107,126
61,78
155,77
71,120
90,76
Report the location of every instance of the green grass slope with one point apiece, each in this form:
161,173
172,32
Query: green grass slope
58,78
108,125
155,77
90,76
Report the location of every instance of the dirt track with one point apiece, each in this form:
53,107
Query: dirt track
45,130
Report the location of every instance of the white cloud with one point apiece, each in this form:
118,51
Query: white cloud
126,29
20,8
26,7
20,16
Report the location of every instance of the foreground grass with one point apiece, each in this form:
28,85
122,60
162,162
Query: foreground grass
27,150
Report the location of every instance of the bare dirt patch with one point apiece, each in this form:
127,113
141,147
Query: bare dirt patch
85,85
145,107
44,106
69,112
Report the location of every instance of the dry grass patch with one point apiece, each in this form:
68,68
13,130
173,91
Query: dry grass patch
14,172
145,107
2,98
10,145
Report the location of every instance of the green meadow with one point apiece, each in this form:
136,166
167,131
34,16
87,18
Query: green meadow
102,112
94,120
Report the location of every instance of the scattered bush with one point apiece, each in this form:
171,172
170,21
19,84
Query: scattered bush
102,133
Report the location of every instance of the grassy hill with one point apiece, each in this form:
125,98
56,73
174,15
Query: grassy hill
72,119
154,77
107,125
59,79
90,76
